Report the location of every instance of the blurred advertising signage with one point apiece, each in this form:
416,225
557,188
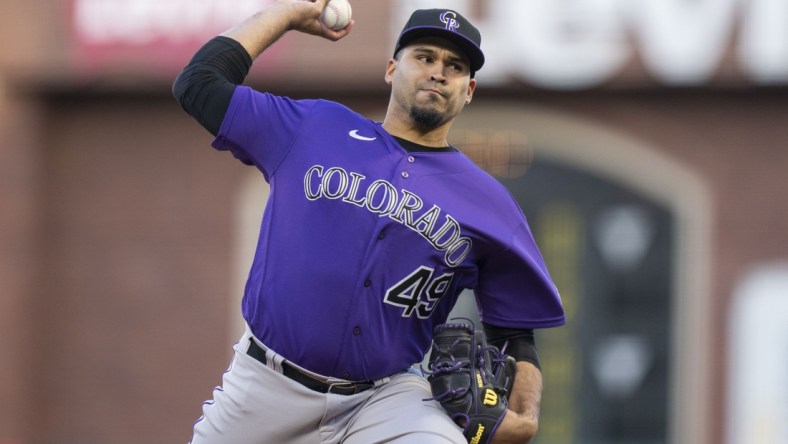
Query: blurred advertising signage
149,34
551,44
585,43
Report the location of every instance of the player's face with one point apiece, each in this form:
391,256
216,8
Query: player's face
431,81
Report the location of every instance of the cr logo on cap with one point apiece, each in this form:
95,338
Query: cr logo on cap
448,18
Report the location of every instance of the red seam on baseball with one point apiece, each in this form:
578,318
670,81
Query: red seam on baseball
336,15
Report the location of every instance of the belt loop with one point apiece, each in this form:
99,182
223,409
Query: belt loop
274,360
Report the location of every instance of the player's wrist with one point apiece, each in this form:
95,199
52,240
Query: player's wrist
515,428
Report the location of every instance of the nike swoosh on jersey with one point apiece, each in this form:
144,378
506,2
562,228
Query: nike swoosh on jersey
354,134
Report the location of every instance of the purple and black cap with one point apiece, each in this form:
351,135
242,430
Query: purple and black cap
447,24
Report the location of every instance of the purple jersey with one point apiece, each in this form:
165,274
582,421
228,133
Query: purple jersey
365,247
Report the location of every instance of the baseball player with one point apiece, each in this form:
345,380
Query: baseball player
371,231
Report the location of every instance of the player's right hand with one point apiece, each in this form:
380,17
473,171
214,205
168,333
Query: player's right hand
305,17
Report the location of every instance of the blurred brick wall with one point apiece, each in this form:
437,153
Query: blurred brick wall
20,185
130,313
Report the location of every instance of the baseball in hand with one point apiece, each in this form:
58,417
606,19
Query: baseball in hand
337,14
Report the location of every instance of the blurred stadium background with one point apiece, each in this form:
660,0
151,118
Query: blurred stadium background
646,140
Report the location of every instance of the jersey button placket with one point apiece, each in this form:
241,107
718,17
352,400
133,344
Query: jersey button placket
405,174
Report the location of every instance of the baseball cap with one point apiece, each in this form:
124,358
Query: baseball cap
448,24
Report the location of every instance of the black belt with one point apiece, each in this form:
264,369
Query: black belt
344,388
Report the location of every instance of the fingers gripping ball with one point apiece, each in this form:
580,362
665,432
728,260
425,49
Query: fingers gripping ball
336,14
470,379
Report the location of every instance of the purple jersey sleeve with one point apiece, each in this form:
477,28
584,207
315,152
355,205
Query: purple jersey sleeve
265,140
506,281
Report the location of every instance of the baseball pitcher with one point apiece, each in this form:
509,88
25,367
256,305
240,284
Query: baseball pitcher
371,231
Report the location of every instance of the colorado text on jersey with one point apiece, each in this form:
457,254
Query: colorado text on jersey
384,199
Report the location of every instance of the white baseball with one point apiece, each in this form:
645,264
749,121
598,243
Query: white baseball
337,14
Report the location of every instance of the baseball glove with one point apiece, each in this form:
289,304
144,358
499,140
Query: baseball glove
470,379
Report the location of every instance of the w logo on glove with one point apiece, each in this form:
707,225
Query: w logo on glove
490,397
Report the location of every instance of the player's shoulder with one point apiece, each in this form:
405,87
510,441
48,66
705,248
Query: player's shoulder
330,114
330,106
498,195
483,176
315,104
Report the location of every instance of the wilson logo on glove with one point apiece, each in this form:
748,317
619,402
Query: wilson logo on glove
477,436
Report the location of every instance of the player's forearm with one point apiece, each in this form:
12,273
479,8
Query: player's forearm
261,30
522,420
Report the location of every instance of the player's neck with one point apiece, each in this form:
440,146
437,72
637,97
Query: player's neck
405,129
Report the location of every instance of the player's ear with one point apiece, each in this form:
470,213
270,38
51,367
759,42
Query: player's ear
390,68
471,89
